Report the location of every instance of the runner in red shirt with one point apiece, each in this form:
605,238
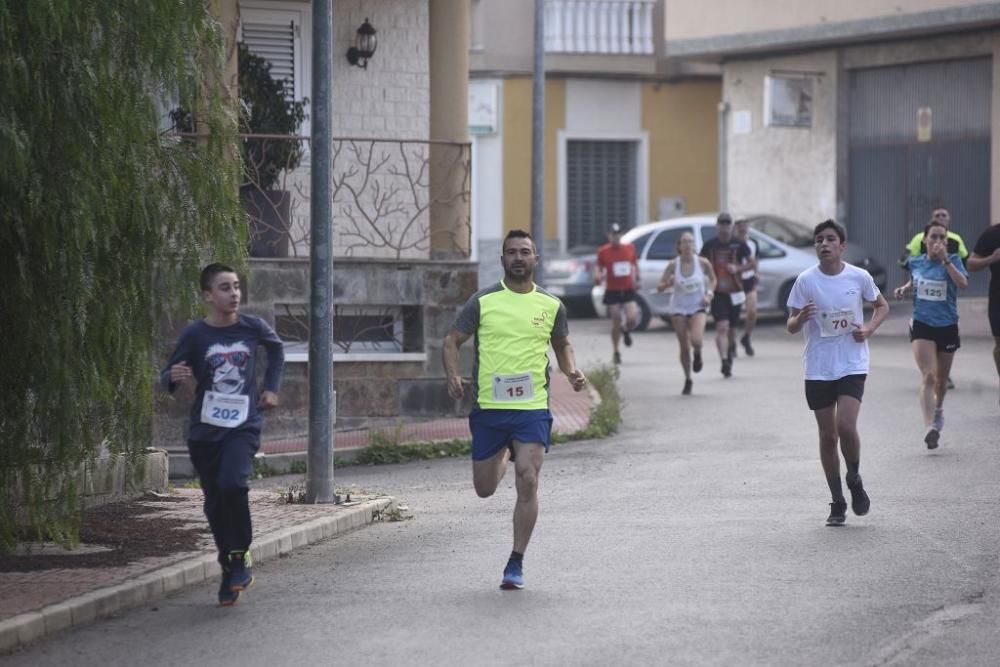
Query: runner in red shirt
618,268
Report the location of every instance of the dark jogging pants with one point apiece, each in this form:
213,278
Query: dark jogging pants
223,469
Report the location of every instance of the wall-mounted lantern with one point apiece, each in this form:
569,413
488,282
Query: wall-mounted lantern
364,46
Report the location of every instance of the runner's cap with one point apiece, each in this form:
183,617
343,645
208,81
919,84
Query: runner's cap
615,228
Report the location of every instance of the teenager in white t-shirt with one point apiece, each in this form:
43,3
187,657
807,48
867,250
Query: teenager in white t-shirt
827,303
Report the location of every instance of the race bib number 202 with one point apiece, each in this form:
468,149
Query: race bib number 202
224,410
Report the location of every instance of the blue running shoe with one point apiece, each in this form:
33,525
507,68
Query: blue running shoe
240,571
227,596
513,576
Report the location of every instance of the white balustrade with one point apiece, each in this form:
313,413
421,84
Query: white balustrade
599,26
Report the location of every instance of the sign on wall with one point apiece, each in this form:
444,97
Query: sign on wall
788,100
925,121
483,110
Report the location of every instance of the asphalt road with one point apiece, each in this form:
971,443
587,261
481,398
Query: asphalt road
694,536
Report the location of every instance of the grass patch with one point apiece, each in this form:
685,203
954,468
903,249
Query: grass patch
385,449
606,419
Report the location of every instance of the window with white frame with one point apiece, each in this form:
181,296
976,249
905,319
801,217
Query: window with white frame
280,33
601,188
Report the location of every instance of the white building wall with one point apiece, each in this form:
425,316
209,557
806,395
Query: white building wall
391,98
789,171
603,106
487,175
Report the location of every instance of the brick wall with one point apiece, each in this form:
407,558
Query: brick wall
391,98
368,391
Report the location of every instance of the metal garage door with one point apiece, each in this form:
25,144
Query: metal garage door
898,172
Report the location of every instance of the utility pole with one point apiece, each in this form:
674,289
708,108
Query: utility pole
538,141
322,397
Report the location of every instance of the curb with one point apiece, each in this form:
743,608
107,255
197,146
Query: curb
31,626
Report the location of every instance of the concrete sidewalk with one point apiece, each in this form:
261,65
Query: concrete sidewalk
39,603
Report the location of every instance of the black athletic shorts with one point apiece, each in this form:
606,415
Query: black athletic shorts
946,338
723,309
823,393
612,297
749,284
995,315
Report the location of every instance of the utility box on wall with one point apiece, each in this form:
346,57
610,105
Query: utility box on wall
670,207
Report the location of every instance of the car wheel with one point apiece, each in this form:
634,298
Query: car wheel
644,314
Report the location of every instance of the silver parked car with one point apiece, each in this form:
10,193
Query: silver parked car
571,277
785,250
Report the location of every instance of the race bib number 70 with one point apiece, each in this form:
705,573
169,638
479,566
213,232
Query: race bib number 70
835,322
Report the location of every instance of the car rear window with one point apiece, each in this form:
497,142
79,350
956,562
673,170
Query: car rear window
664,246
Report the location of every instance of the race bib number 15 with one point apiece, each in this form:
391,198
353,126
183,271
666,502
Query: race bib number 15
513,388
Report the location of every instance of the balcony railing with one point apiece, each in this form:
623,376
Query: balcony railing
599,26
384,194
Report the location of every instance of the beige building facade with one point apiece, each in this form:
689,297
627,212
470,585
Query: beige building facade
628,137
871,113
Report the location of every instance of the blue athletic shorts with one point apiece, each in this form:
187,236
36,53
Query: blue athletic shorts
492,430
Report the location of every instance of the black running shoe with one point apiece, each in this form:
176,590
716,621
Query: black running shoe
687,388
950,383
732,350
860,502
932,437
696,366
745,341
617,358
727,367
838,513
627,338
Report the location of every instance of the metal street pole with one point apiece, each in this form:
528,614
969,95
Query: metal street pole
537,141
322,398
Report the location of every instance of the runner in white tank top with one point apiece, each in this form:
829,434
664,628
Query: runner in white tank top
688,296
690,299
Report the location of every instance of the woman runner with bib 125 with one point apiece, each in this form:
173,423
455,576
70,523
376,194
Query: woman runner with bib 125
935,278
693,283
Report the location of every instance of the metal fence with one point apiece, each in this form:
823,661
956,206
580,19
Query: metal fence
385,192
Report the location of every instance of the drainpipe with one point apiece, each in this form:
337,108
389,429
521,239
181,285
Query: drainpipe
538,141
723,149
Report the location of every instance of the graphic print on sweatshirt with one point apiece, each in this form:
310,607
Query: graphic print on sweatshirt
229,365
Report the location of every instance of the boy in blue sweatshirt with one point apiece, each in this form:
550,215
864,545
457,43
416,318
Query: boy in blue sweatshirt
217,353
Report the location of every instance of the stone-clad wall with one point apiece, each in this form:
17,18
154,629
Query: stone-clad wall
368,391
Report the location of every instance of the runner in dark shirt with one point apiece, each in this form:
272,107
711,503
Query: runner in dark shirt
729,257
986,253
